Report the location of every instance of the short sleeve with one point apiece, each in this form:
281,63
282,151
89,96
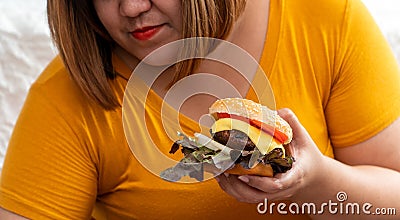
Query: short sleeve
47,173
365,96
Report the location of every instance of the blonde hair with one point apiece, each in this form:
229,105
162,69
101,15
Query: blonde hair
86,47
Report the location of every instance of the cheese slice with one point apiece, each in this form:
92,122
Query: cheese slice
263,141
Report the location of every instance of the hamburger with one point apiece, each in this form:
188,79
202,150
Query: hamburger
247,138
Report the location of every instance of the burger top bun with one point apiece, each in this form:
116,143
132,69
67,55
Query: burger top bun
251,110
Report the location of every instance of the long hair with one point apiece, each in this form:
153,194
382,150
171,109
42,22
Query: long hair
86,47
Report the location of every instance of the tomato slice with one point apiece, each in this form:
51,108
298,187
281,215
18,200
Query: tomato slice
279,136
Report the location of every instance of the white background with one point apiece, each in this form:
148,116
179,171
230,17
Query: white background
26,48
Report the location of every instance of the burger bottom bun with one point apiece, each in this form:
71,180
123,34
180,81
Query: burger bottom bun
258,170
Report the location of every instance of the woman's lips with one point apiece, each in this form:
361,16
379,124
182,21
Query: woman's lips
146,33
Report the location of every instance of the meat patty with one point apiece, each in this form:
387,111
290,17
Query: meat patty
234,139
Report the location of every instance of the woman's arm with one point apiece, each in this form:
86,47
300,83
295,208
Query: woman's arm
381,150
368,173
7,215
49,170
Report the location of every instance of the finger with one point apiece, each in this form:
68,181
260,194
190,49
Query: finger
239,190
297,128
226,185
281,181
265,184
291,178
282,194
284,191
277,194
288,115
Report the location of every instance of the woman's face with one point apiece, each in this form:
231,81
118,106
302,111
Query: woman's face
141,26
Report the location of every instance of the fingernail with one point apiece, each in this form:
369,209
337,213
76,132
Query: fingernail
278,184
226,174
244,179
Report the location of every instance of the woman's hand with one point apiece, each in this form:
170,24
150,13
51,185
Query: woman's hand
303,176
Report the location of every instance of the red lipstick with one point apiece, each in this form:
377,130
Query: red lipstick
146,33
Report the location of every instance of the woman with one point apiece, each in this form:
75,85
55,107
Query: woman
326,60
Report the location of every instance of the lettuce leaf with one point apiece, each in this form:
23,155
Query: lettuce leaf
202,154
196,155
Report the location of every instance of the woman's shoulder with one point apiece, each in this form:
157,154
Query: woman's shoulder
55,76
56,86
314,9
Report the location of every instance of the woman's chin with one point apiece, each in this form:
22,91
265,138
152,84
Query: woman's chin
166,55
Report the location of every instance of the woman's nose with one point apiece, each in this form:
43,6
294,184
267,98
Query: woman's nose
133,8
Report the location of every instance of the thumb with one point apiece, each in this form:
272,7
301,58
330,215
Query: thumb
299,132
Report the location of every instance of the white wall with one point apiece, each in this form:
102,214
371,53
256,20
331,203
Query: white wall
25,49
387,15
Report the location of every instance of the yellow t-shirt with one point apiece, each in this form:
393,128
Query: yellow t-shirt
325,59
